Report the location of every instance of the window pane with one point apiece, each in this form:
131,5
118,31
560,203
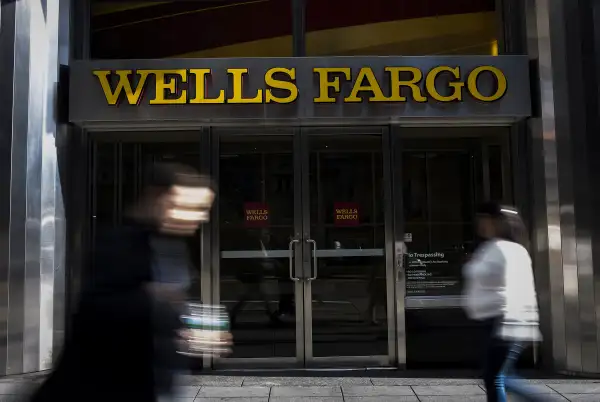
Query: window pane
225,28
496,181
392,27
106,175
440,187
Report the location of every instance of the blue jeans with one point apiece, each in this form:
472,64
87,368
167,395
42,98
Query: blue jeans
499,374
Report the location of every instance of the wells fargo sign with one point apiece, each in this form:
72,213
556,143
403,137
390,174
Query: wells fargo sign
189,86
256,214
346,214
229,90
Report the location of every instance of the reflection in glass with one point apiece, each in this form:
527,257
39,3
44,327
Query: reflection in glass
495,168
392,27
256,207
443,181
120,171
346,215
191,29
439,199
106,166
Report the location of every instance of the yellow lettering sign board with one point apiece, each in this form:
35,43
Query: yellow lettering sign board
442,84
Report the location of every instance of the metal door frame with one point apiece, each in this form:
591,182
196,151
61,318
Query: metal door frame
399,248
308,256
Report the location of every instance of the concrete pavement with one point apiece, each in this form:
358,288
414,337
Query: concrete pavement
366,389
247,388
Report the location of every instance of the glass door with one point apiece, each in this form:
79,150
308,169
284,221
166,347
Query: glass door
302,247
347,300
259,240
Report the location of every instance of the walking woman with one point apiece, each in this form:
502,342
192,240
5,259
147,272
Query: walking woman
500,292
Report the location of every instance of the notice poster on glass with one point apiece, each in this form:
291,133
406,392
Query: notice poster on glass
436,273
346,214
256,214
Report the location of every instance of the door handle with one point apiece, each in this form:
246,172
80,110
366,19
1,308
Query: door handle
314,249
291,248
400,267
401,254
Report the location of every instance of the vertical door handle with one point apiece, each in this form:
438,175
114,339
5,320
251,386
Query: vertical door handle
401,254
291,248
314,250
400,267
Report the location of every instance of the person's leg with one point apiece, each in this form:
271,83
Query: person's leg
513,383
492,375
286,296
241,303
264,297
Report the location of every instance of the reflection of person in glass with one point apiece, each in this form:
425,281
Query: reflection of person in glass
252,277
500,292
285,290
377,293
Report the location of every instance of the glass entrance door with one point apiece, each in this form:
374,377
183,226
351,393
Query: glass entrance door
302,246
344,226
259,238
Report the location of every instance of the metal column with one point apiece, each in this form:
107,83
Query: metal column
299,27
564,180
32,224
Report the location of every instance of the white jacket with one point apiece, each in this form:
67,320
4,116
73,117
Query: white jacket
500,283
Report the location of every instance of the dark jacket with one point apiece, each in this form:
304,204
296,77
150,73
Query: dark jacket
122,344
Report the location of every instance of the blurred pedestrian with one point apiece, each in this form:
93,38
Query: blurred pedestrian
125,331
500,292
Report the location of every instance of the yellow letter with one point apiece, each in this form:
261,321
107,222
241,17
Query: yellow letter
201,74
396,84
273,82
325,84
238,85
372,86
500,80
124,84
432,90
166,84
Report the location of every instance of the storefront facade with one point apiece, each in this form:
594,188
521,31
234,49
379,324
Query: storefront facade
347,182
315,159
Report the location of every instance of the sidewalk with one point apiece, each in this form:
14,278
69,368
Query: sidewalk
216,388
365,389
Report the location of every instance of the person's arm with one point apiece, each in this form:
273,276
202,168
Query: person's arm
483,282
